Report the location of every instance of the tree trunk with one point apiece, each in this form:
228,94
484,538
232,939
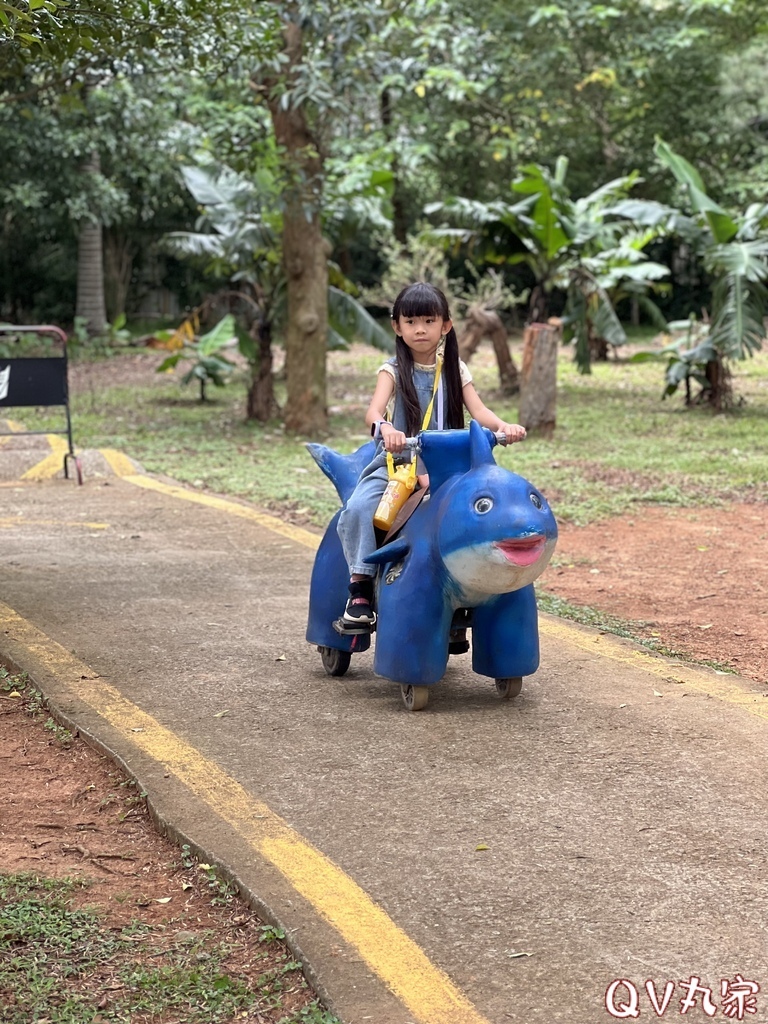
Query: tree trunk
538,377
486,323
261,395
718,392
90,265
119,254
305,258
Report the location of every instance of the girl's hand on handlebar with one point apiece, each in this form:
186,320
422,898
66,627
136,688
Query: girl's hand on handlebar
394,440
512,431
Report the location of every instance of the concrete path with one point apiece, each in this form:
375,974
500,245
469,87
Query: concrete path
481,862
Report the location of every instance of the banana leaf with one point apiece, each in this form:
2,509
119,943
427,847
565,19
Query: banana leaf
350,321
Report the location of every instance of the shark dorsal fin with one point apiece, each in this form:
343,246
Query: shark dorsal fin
481,453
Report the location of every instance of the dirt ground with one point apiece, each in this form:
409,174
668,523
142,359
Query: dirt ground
68,811
695,581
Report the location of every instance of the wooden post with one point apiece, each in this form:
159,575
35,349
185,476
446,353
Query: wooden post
538,376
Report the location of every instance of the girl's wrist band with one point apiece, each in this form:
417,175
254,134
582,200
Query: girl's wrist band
376,429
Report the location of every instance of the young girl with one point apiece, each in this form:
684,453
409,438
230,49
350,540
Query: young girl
424,333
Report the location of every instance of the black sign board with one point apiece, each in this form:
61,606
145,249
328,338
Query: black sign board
33,382
25,382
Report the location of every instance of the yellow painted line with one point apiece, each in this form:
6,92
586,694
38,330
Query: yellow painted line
119,463
15,426
428,993
725,688
8,522
51,464
310,540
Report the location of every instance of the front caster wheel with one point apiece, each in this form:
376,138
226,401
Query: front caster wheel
415,697
335,662
510,687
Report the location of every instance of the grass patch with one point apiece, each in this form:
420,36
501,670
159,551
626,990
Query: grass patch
617,444
60,962
33,703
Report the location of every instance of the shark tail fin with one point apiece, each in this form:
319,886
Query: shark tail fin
342,470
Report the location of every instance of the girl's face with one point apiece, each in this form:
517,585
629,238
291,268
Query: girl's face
422,334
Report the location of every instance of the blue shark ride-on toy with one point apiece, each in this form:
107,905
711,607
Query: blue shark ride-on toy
463,557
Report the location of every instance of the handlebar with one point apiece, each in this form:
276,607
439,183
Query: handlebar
414,443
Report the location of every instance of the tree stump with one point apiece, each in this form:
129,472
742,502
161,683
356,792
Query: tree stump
482,323
538,376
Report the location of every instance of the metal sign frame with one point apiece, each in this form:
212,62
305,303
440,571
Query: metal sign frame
38,381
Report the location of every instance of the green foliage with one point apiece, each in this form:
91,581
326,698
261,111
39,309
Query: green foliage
721,225
348,321
114,336
686,357
578,246
209,366
132,123
404,105
598,82
740,297
734,251
242,243
425,259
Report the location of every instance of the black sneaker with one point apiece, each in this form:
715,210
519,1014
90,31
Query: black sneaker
458,643
359,611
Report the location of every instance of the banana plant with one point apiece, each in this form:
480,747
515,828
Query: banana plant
209,365
570,245
734,252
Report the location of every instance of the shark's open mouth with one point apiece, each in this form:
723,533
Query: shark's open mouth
523,551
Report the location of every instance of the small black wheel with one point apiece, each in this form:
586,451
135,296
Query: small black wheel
415,698
335,662
510,687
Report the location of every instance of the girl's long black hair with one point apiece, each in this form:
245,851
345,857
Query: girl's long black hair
423,299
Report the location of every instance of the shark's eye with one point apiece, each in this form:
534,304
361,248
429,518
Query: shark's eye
536,500
483,505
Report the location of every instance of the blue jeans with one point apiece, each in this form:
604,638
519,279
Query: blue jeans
355,527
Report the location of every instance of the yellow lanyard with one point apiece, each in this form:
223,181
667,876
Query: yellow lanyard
428,413
424,425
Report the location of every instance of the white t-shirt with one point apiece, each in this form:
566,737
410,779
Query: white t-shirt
466,376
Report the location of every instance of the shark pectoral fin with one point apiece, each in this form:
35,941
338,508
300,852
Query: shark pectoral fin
389,553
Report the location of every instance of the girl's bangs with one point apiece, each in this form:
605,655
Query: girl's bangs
421,301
